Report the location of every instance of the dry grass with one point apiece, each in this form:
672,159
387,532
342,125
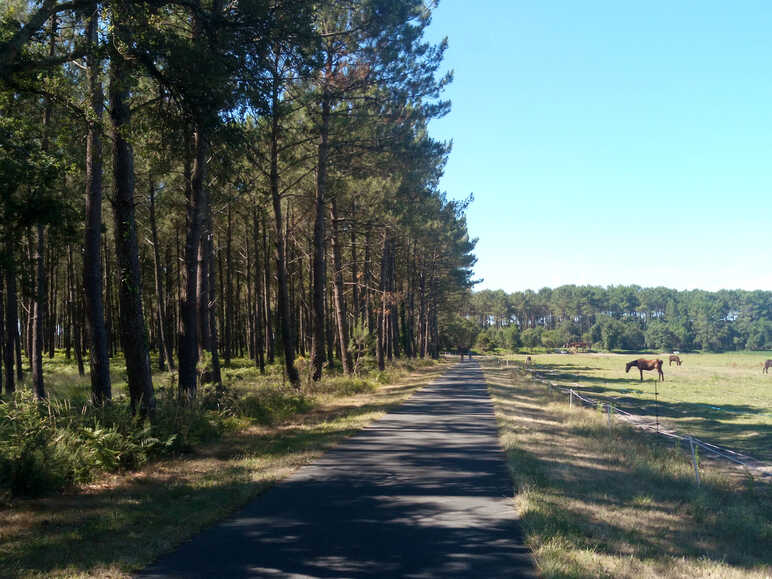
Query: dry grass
722,398
600,503
123,522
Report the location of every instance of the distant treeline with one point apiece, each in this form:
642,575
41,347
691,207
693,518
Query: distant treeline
624,317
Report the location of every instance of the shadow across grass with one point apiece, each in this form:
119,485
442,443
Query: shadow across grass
741,427
596,502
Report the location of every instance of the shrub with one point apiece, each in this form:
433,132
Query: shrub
272,405
342,386
47,445
29,464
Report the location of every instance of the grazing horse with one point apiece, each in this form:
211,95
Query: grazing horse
676,359
644,364
767,366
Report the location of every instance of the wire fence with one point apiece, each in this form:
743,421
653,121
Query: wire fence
753,465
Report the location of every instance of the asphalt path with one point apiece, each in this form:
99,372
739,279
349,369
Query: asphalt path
422,492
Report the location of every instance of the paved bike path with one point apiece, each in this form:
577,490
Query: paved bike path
422,492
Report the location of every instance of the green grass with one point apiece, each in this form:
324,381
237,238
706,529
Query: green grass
721,398
596,502
121,522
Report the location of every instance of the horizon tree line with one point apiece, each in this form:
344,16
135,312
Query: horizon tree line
624,317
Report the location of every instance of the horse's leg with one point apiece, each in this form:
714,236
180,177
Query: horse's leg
641,374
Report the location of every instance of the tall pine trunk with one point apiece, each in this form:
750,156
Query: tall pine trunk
268,317
11,314
281,248
133,335
39,313
212,340
75,315
165,352
339,302
41,297
258,306
380,341
228,338
188,338
320,266
99,360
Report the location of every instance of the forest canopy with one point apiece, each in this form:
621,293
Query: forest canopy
205,181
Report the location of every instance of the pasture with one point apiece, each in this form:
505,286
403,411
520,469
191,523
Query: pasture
721,398
596,501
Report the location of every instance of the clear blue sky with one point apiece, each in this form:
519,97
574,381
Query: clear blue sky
611,143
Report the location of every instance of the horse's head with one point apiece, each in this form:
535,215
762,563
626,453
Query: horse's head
628,366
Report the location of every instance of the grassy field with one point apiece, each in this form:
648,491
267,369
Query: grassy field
600,502
121,522
721,398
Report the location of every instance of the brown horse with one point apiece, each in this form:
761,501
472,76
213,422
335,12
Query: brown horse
644,364
767,366
676,359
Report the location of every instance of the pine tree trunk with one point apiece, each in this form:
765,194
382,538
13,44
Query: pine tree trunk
258,306
188,338
280,246
2,331
268,318
39,314
339,302
11,315
108,296
75,318
41,298
212,344
50,337
320,266
164,350
368,275
202,289
133,335
354,269
394,306
69,320
380,344
228,338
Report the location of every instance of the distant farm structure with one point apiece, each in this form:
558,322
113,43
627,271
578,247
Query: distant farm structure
577,346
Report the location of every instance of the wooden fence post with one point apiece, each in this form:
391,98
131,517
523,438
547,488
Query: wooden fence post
694,460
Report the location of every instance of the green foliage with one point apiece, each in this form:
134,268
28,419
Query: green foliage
47,445
531,337
459,333
342,386
362,343
273,405
760,335
29,461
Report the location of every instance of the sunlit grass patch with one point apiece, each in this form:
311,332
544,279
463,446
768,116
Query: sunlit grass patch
722,398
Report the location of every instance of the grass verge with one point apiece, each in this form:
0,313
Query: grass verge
122,522
600,502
